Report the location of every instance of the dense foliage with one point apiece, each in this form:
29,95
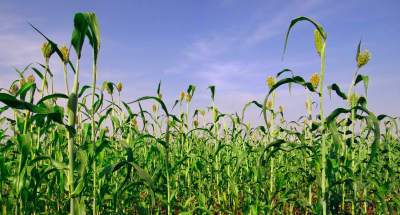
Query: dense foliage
58,160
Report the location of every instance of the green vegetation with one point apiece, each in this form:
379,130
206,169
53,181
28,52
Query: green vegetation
64,160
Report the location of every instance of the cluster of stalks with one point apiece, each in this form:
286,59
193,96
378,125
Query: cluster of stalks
56,160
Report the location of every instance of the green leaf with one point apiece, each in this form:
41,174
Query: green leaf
55,95
212,88
302,18
79,33
155,98
336,88
366,82
24,142
158,89
17,104
53,46
358,50
94,26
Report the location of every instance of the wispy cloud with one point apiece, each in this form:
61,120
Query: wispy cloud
177,69
205,48
275,22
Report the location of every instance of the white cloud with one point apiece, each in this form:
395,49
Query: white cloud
278,22
177,69
208,47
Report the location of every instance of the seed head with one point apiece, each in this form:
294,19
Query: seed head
385,122
307,106
169,123
109,90
134,121
106,130
182,96
14,89
318,41
159,96
216,111
154,108
203,112
188,97
76,120
22,81
353,99
119,86
270,81
65,54
281,108
269,104
31,78
196,123
248,124
314,80
291,127
268,124
363,58
259,132
362,96
281,120
46,50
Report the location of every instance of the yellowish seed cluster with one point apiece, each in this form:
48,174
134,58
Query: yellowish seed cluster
22,81
154,108
188,97
353,99
182,96
119,86
46,50
196,123
203,112
159,96
270,81
14,89
134,121
65,54
269,104
314,80
318,41
108,90
307,106
31,78
363,58
280,108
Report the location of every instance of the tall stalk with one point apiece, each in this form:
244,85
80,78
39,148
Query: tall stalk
94,137
323,172
72,106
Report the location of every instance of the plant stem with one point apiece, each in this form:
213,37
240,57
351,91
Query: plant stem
72,103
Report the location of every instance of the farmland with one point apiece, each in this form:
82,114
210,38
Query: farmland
58,159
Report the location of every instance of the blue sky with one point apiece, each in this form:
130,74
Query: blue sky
234,45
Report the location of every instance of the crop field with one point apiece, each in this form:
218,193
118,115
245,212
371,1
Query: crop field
95,156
